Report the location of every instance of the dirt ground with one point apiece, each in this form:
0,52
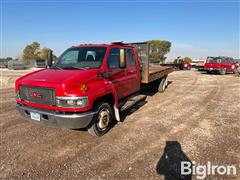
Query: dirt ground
8,77
199,112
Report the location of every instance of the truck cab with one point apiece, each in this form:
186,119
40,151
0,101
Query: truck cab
220,65
85,88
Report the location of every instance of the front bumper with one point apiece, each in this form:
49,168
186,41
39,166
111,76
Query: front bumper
58,119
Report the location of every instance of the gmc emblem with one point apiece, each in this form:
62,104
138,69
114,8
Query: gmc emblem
34,94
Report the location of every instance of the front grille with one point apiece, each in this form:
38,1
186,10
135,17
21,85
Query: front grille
38,95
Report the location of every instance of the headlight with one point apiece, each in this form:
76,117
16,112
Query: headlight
72,102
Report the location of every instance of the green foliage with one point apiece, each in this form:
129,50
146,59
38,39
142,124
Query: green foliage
33,51
43,53
158,50
187,60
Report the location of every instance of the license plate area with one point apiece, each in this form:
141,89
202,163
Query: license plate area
35,116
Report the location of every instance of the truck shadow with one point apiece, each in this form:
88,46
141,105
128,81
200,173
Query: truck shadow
212,73
131,110
215,73
146,90
169,164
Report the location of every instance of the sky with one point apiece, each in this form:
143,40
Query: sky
195,28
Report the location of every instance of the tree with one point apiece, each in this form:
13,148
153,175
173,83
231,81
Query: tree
187,60
42,55
31,51
158,50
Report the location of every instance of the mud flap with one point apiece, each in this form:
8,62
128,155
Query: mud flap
116,112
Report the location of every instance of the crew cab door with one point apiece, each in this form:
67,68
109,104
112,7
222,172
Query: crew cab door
133,73
118,76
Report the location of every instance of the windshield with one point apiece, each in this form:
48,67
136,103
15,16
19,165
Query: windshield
81,58
213,60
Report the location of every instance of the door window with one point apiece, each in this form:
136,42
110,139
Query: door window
131,57
114,58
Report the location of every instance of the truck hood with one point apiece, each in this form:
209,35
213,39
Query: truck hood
63,80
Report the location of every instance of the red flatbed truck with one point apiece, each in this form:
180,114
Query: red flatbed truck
89,86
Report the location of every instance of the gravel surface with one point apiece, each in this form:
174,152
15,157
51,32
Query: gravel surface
198,111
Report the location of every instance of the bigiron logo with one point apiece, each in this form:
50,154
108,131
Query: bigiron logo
202,171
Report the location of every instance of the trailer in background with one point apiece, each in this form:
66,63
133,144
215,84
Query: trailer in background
179,64
16,65
200,65
38,63
3,65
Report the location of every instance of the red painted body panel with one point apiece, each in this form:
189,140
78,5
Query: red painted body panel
67,82
187,66
228,66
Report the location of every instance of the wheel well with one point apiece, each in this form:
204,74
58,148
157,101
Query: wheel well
109,98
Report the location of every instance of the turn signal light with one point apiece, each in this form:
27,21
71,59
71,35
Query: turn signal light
83,87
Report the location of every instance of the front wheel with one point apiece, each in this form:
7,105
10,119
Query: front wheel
101,121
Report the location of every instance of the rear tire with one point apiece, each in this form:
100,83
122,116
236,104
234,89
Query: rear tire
223,71
102,120
163,84
154,85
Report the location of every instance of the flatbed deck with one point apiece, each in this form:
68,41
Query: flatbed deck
156,72
155,69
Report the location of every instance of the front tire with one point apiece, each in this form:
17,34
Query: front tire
102,120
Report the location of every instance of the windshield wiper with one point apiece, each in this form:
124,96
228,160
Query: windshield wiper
55,67
74,67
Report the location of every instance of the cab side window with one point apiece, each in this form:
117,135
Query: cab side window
114,58
131,57
223,60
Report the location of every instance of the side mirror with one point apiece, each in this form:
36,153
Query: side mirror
122,63
49,59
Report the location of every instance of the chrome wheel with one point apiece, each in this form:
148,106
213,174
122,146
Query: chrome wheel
103,118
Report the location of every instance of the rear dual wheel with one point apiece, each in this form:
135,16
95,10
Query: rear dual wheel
223,71
159,85
163,85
